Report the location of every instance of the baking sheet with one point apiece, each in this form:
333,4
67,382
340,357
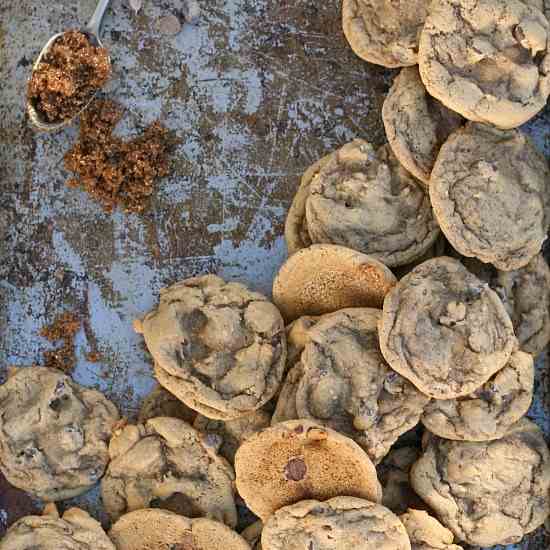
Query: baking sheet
257,90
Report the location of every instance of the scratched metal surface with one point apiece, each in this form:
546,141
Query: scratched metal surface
257,90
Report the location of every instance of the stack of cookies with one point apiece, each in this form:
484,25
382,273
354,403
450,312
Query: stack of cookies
379,401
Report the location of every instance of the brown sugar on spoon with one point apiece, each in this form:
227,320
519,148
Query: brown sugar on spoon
117,172
68,76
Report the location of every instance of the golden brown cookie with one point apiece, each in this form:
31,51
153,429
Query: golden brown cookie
341,522
297,460
153,529
168,464
325,278
426,533
160,402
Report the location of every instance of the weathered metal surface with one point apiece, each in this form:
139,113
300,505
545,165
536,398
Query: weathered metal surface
256,89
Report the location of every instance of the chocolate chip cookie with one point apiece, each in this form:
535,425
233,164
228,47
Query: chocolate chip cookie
445,330
53,433
218,346
166,463
490,190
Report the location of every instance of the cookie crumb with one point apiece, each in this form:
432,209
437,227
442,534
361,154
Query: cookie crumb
68,76
64,328
93,357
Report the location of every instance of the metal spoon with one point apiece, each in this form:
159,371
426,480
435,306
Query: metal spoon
91,30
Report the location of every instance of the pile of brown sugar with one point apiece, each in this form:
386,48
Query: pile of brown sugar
68,76
114,171
64,328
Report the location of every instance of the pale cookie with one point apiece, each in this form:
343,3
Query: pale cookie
488,412
253,535
490,190
218,346
348,386
364,199
152,529
166,463
76,530
426,533
487,59
54,433
416,124
488,493
161,402
233,432
297,460
393,473
344,523
445,330
385,32
325,278
525,293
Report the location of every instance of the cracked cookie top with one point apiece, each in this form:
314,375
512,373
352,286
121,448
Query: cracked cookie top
168,464
218,346
491,492
487,59
385,32
341,522
445,330
53,433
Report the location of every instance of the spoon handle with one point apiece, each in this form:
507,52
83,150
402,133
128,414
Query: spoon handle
95,22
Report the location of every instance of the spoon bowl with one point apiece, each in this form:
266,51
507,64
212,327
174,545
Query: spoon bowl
91,31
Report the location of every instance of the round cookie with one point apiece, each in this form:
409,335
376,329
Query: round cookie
324,278
525,293
152,529
416,124
488,412
426,533
348,386
445,330
385,32
166,463
491,492
233,432
365,200
393,473
76,530
53,433
253,535
487,60
218,346
341,522
297,460
161,402
491,196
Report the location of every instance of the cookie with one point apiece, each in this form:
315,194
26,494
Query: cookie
482,177
253,535
393,473
152,529
364,199
445,330
416,124
325,278
161,402
426,533
348,386
76,530
487,60
385,32
233,432
218,347
297,460
341,522
525,293
54,433
491,492
166,463
488,412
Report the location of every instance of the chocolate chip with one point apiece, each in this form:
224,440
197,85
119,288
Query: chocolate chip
295,470
299,429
